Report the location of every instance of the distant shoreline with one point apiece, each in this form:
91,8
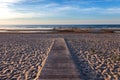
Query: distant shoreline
62,30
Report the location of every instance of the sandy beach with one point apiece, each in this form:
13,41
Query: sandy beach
97,56
59,39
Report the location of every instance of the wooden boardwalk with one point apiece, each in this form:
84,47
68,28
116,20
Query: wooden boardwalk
59,64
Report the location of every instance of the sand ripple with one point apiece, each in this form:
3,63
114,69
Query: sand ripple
98,56
21,57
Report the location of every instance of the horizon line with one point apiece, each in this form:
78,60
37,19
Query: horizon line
66,24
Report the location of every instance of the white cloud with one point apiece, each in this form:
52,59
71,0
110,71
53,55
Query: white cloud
50,5
8,13
49,10
5,11
9,1
113,10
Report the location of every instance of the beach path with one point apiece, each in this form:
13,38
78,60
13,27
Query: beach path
59,64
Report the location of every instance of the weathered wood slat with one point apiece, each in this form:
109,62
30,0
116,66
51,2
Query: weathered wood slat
59,64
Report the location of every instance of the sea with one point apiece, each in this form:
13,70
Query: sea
59,26
50,28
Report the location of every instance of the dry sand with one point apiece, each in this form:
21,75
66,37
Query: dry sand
21,56
97,56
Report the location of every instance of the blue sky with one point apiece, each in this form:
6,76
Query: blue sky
59,11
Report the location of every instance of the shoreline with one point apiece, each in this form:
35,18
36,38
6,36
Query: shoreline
63,30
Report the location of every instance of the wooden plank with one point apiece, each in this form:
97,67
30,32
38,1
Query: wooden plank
59,64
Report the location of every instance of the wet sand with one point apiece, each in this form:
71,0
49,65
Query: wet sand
97,56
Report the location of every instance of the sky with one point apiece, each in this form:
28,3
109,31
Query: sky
59,11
